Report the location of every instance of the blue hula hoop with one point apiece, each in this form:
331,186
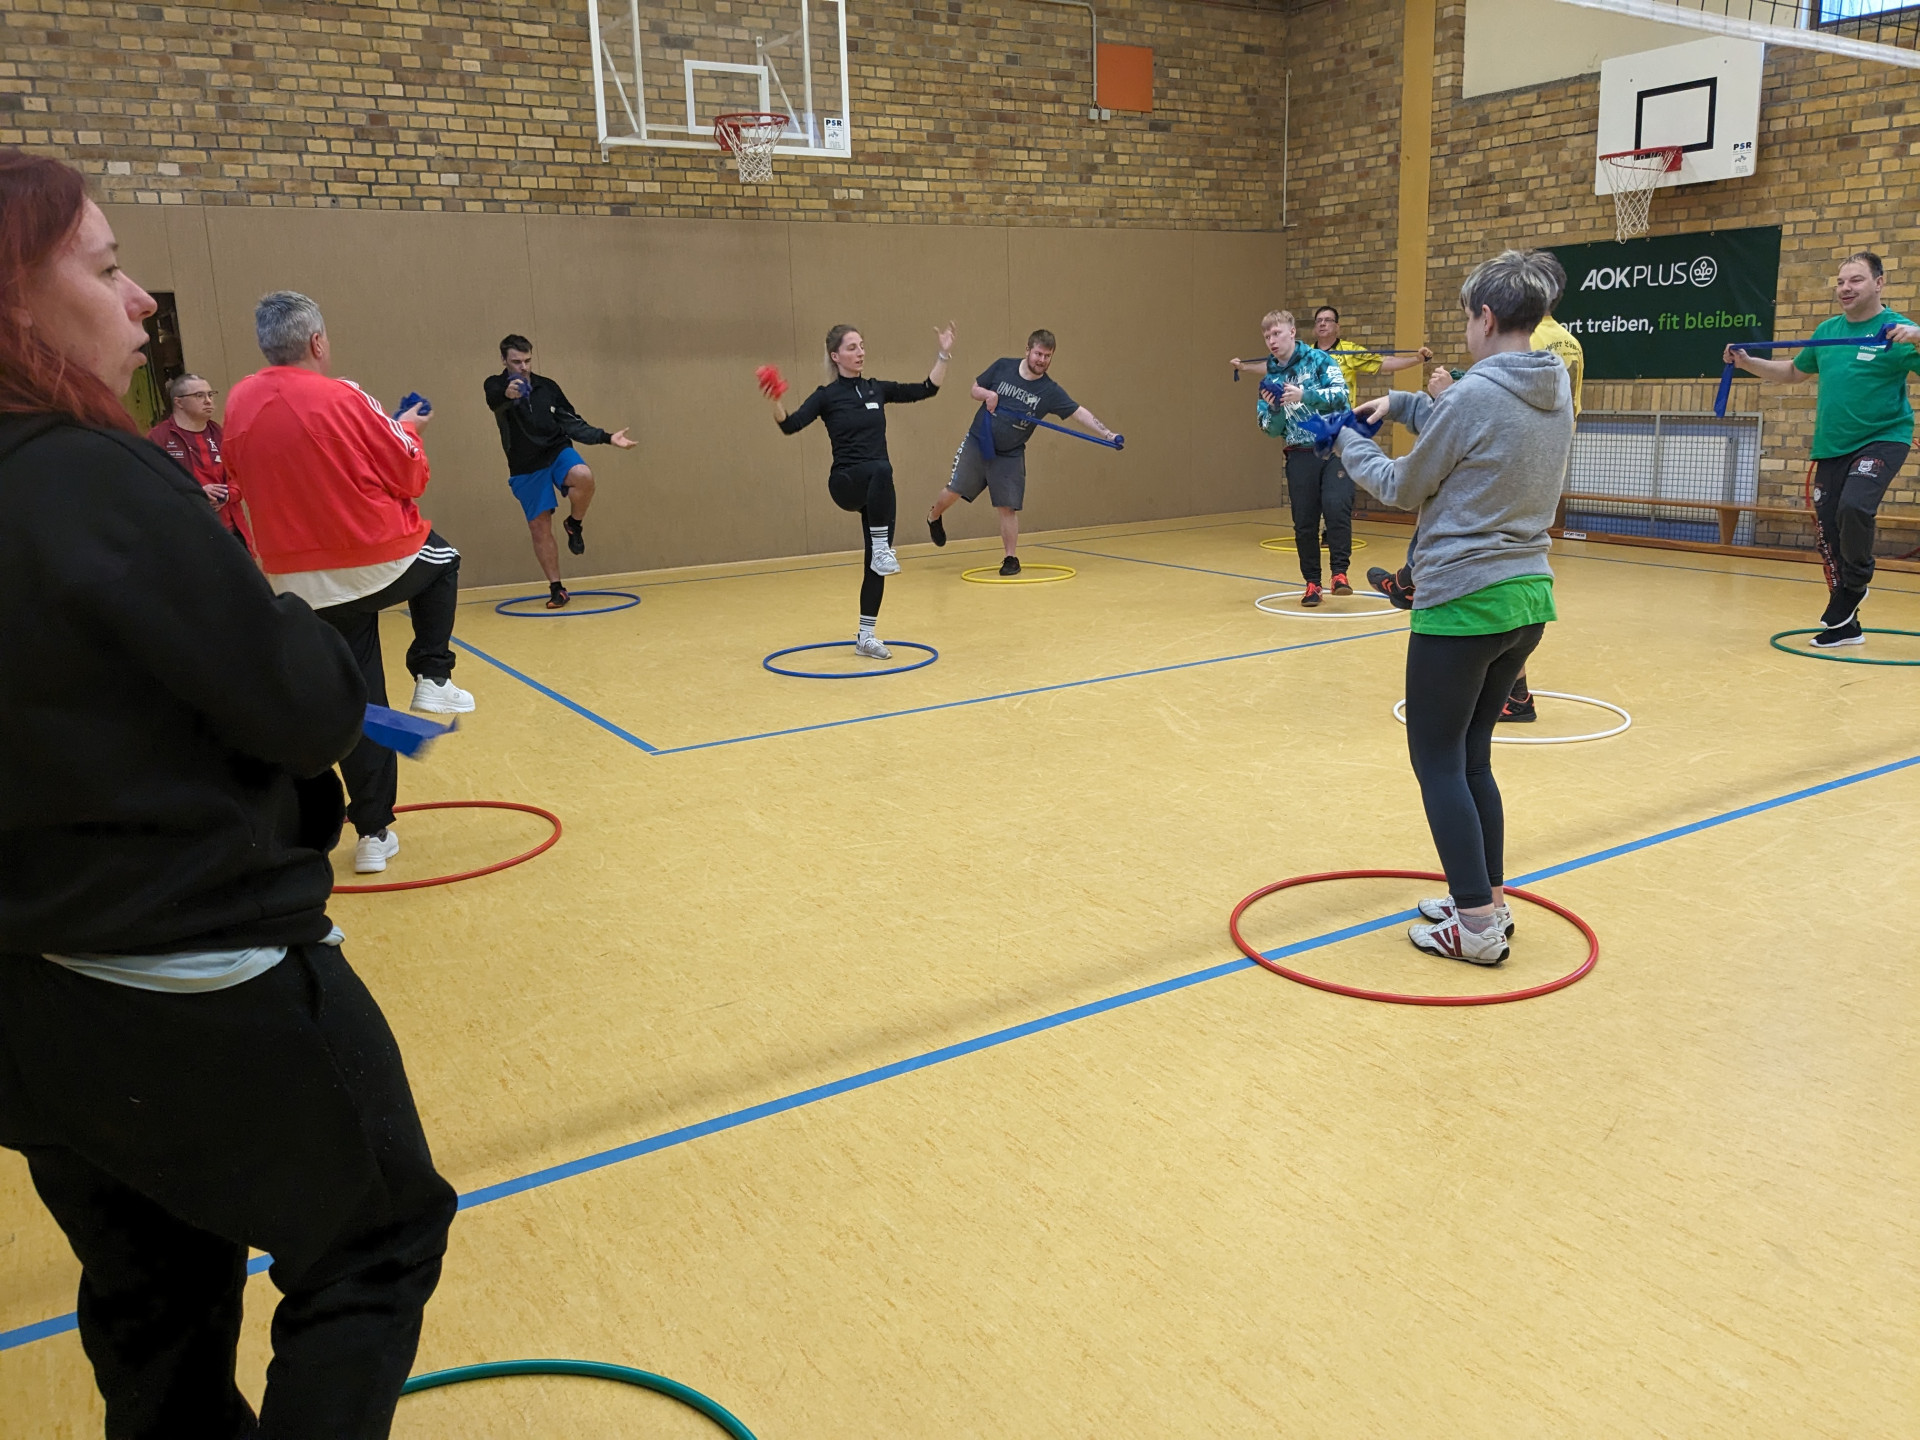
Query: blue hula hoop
628,600
932,655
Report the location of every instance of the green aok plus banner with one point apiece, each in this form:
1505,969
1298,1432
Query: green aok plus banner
1665,307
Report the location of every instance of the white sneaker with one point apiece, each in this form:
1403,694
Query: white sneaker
1454,941
870,646
885,562
440,697
1441,907
371,853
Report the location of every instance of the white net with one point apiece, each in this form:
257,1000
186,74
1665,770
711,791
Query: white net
752,139
1635,174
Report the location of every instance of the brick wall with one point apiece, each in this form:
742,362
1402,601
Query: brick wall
1516,168
972,111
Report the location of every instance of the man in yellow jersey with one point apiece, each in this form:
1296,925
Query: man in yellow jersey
1356,360
1862,431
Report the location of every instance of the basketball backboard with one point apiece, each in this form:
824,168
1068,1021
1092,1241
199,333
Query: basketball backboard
1703,97
663,69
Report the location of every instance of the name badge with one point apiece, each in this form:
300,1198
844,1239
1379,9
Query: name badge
873,404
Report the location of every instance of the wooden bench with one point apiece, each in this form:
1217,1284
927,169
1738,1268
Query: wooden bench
1729,511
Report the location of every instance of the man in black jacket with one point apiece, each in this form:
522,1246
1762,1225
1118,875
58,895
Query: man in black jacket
538,429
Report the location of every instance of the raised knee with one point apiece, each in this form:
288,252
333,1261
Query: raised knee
580,475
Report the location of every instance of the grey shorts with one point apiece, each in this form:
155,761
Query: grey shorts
1004,477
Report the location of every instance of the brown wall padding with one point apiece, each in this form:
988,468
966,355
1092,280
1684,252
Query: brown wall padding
658,324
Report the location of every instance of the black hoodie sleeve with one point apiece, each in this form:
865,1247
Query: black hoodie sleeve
134,549
572,426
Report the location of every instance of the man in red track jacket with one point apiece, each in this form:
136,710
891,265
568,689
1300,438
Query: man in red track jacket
191,436
329,482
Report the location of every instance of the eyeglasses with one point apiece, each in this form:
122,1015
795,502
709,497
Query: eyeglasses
196,394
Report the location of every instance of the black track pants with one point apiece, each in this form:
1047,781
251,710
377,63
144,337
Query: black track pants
168,1132
1320,491
1455,687
1847,491
431,594
868,489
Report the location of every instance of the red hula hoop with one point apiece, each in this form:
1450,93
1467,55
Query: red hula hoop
1388,996
541,848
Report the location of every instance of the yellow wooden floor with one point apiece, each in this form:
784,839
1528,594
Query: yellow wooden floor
1675,1199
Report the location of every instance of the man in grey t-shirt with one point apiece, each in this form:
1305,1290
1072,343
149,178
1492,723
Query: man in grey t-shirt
993,456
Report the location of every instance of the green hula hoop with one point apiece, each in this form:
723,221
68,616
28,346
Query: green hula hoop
593,1369
1774,640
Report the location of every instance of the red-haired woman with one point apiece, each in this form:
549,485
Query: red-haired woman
186,1061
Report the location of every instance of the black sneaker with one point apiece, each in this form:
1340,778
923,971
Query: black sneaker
1399,595
576,539
1835,636
937,527
558,597
1843,605
1520,712
1010,565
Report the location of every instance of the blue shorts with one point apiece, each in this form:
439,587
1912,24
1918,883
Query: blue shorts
538,491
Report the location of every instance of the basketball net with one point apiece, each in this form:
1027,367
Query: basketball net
1635,174
752,138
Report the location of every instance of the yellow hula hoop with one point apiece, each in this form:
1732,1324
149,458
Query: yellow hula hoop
1285,542
990,575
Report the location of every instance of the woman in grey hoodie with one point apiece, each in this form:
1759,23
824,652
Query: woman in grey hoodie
1485,476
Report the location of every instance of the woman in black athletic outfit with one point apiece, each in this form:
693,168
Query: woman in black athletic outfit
851,407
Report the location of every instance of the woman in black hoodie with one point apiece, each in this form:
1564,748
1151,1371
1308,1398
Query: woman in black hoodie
187,1062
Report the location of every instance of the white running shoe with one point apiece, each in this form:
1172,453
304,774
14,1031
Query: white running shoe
870,646
885,562
371,854
441,697
1441,907
1454,941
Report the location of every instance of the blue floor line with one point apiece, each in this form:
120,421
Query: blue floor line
45,1329
1165,564
1033,690
962,548
632,739
555,695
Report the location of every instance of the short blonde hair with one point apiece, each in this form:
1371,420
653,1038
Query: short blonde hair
1276,315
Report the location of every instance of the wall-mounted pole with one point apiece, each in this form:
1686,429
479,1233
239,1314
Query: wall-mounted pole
1093,21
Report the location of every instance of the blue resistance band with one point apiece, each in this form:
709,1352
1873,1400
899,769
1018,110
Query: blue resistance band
983,432
1883,336
1364,350
409,735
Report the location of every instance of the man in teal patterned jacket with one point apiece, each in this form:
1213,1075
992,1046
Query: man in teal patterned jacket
1298,380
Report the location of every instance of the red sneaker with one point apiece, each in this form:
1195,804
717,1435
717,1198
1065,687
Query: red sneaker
1340,585
1312,596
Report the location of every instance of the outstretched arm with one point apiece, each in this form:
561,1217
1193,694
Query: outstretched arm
1391,363
1086,417
1780,372
937,376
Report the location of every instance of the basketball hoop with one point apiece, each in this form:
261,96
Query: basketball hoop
1635,173
751,137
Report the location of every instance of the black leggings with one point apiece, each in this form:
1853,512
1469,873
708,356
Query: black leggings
1455,687
867,488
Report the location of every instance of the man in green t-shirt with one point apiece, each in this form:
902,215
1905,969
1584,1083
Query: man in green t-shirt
1862,431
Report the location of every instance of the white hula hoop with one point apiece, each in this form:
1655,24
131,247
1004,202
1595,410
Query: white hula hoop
1296,613
1626,720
